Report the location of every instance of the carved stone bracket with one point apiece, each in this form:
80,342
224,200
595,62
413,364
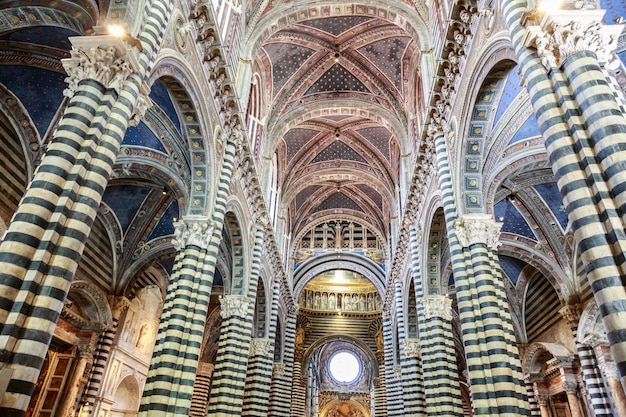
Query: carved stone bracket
478,228
106,59
235,305
437,306
192,231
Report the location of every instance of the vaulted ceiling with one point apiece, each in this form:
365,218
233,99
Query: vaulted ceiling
336,90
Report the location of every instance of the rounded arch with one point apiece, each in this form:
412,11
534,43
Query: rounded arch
371,356
200,153
590,324
537,354
126,397
90,303
340,403
235,237
348,261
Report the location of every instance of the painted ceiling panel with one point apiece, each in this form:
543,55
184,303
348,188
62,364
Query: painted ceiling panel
141,135
161,98
379,137
512,89
338,150
295,139
372,194
512,267
125,200
305,194
39,90
529,129
336,25
166,224
337,78
513,220
549,192
387,54
286,59
43,35
337,118
338,200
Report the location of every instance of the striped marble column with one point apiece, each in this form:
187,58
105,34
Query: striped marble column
398,382
441,378
494,366
532,400
46,237
169,386
414,396
232,356
282,372
235,347
393,374
201,389
298,389
416,390
585,137
101,357
592,378
259,378
380,389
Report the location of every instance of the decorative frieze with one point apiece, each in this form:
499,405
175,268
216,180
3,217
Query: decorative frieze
478,228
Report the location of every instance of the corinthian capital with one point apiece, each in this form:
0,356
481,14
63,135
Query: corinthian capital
478,228
411,347
192,231
105,59
260,347
563,33
235,305
437,306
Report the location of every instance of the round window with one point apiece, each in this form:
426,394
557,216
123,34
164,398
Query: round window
344,367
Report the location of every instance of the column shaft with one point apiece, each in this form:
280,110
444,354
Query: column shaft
282,374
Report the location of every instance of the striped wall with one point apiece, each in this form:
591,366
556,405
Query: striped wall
541,307
416,391
13,171
392,378
584,132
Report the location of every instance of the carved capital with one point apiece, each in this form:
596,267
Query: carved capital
437,306
608,369
569,385
118,304
260,347
478,228
105,59
278,370
411,347
571,313
143,104
235,305
562,34
192,231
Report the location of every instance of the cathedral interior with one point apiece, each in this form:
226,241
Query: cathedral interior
298,208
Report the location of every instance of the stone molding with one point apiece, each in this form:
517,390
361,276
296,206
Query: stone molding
478,228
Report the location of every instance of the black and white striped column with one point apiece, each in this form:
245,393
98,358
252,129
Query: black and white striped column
46,237
585,136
